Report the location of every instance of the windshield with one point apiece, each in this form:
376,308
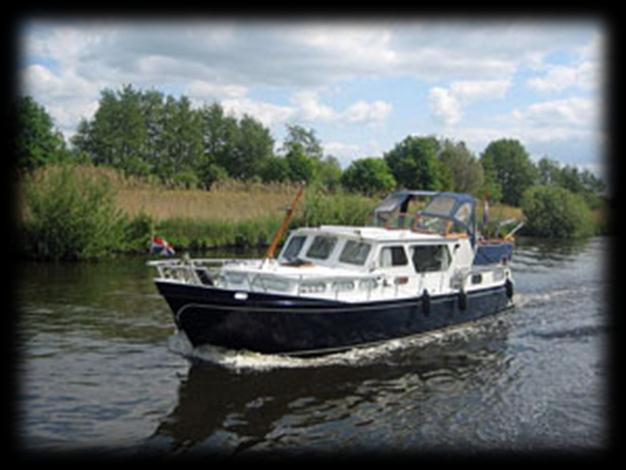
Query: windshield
355,252
292,250
441,205
464,213
321,247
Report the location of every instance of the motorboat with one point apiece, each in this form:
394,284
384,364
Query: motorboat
420,265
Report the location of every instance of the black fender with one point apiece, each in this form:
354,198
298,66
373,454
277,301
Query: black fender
425,302
462,300
508,285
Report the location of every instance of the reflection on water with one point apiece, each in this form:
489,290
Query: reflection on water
101,369
339,395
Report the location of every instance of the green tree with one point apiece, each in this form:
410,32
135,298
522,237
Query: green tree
253,145
555,212
583,183
414,164
152,106
36,141
305,139
117,133
510,164
219,136
465,170
369,176
301,167
491,189
181,142
548,172
275,168
329,172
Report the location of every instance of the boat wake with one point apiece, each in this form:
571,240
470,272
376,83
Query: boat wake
244,361
539,299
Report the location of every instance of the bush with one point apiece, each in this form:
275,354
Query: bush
554,212
70,215
185,179
138,232
369,176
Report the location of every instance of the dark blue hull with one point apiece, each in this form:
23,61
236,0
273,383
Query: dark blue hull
278,324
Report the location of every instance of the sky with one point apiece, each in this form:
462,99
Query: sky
362,85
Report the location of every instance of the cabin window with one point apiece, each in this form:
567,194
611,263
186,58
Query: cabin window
464,213
321,247
391,256
292,250
355,252
428,258
441,205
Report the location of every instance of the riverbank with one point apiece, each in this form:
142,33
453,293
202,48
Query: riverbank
87,212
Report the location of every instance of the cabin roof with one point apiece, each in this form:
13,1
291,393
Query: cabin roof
374,234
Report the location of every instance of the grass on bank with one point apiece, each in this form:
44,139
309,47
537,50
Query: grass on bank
83,212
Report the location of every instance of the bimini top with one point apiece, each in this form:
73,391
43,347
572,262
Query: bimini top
458,208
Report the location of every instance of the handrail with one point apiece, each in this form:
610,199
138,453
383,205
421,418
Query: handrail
189,267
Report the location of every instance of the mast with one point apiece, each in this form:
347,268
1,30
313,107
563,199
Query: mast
288,216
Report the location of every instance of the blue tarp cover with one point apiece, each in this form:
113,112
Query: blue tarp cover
493,253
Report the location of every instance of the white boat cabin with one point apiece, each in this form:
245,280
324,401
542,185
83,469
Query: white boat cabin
361,264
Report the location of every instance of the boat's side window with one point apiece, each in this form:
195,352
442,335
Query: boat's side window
321,247
292,250
355,252
427,258
391,256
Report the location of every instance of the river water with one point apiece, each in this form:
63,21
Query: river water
100,371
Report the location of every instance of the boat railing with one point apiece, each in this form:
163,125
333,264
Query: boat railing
208,271
196,270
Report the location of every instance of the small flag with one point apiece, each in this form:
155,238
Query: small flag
159,246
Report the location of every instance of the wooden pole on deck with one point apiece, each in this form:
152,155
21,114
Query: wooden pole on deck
288,216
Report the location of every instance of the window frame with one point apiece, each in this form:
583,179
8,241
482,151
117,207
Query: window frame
393,266
443,246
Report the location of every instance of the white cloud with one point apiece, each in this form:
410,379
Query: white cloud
369,113
472,90
203,91
66,97
445,106
298,54
341,150
271,115
571,112
560,77
571,122
447,103
584,73
310,109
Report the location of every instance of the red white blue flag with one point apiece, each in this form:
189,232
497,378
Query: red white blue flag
159,246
